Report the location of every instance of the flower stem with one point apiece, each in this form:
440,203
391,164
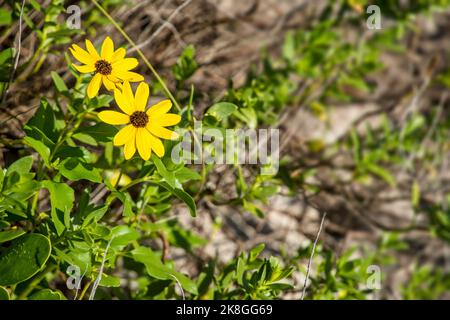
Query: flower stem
149,65
85,289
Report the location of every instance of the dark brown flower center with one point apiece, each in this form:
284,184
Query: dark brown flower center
139,119
103,67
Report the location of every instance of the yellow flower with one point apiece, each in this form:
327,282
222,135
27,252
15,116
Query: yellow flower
110,67
144,128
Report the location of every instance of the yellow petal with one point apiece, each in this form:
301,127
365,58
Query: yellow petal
133,76
81,55
85,68
160,108
124,135
129,149
125,64
168,119
108,83
125,105
128,93
157,146
91,49
107,49
94,85
141,96
160,131
114,117
113,78
128,75
143,138
118,55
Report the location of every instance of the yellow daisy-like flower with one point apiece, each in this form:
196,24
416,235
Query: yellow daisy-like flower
144,128
110,67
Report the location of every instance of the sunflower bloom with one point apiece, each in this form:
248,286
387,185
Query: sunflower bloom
110,67
144,128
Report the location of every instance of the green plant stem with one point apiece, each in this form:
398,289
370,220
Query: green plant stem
149,65
120,177
86,287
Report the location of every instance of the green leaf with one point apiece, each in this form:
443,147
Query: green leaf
186,64
158,270
167,175
102,100
5,64
109,281
95,216
36,5
24,258
75,169
382,173
5,17
4,295
61,198
47,294
10,235
240,270
255,252
127,203
253,208
123,235
221,110
6,56
44,120
76,257
21,166
185,174
248,116
59,83
85,138
40,148
281,286
183,196
100,132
